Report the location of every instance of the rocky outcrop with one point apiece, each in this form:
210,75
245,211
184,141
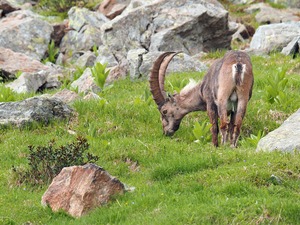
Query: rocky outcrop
39,109
285,138
25,32
164,25
79,189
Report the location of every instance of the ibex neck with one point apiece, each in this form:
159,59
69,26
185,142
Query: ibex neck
191,100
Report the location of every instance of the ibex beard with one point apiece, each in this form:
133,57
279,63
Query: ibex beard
224,93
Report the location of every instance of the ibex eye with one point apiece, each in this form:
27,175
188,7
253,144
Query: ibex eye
165,111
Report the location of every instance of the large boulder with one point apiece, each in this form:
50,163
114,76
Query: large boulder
273,37
25,32
79,189
285,138
13,62
188,26
39,109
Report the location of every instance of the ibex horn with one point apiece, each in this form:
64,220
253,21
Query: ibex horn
157,77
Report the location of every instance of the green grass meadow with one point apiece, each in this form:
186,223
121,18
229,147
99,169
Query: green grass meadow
176,180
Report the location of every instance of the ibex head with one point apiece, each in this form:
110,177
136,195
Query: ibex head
169,106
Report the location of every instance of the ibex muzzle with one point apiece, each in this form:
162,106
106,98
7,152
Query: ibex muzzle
224,91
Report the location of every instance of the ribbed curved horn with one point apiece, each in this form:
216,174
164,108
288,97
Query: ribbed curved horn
157,77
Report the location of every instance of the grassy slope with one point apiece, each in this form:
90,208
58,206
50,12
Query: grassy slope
178,181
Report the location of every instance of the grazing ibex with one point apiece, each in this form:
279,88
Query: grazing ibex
224,91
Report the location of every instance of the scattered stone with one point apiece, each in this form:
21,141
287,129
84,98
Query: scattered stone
80,189
66,96
285,138
85,83
28,82
39,109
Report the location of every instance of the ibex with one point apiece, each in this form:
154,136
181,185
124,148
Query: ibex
224,91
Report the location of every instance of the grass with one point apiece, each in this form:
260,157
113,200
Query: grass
176,180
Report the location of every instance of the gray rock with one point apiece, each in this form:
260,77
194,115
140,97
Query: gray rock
180,63
80,189
288,3
7,7
28,82
86,60
274,36
292,48
105,56
84,30
85,83
189,26
285,138
23,31
39,109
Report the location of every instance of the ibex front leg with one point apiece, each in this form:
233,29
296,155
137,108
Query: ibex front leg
212,112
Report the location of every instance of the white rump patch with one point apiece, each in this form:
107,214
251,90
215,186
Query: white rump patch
234,71
188,87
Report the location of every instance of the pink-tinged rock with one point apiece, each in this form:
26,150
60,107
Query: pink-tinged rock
79,189
12,62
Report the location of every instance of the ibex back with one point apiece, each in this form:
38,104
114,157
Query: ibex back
224,92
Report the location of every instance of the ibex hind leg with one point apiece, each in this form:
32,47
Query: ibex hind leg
238,124
231,126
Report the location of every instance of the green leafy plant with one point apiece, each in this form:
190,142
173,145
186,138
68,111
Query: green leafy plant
100,73
202,132
6,94
276,86
52,53
45,162
253,140
177,85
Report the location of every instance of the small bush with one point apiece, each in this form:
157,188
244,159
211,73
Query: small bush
45,162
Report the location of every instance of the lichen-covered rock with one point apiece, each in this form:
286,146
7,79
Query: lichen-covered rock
285,138
39,109
25,32
79,189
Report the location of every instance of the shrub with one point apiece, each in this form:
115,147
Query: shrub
6,94
45,162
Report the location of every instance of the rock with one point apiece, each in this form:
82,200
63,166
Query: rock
243,32
28,82
80,189
112,8
84,31
85,83
292,48
12,62
180,63
66,96
269,15
105,56
59,31
274,36
39,109
188,26
25,32
285,138
91,96
7,7
86,60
